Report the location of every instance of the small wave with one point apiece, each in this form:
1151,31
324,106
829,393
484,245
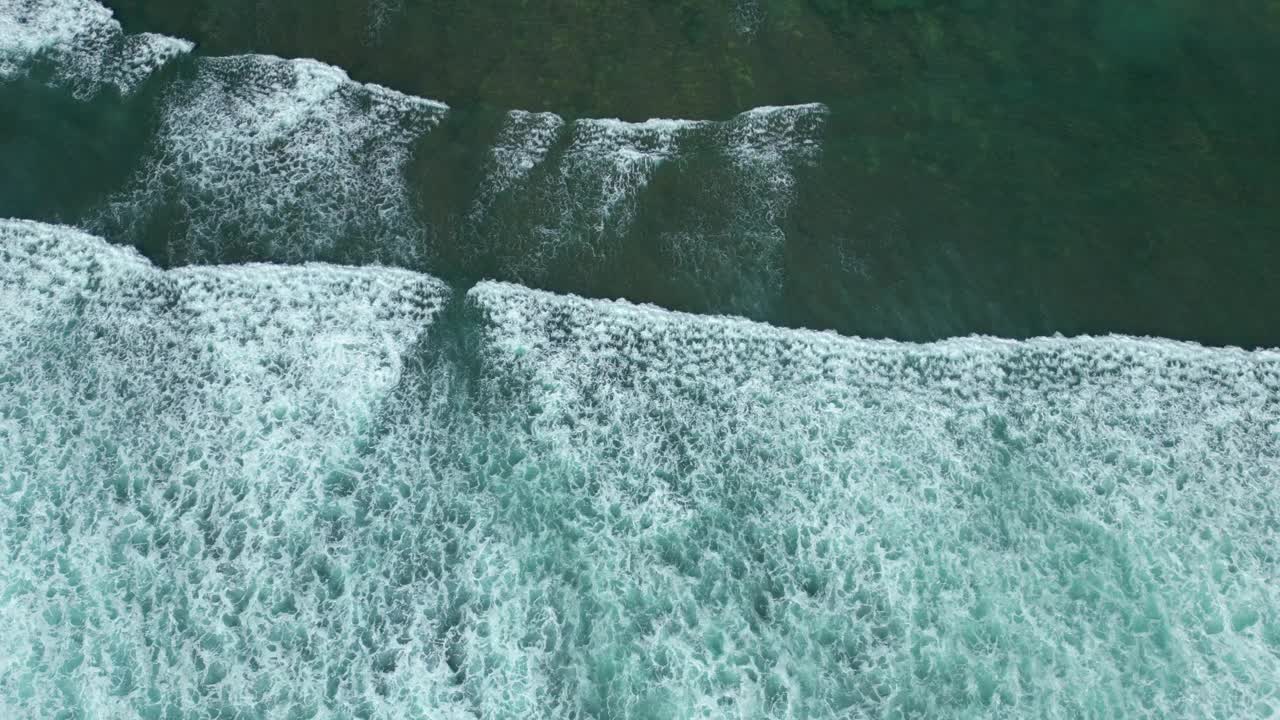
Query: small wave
289,160
571,192
81,43
263,158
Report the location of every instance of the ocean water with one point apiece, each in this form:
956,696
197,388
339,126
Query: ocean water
271,491
405,359
913,171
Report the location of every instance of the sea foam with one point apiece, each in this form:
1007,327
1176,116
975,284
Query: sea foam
317,490
264,158
80,44
570,192
165,435
259,158
734,520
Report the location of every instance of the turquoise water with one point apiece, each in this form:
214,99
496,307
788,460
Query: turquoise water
317,396
1082,167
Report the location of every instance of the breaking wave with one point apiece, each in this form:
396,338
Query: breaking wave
79,44
308,490
264,158
571,194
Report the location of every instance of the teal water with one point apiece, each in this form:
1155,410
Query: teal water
327,386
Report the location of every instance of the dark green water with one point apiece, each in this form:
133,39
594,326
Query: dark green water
326,390
985,167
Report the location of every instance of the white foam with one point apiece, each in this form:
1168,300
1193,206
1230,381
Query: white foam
772,138
609,162
754,190
581,200
802,525
357,313
83,42
522,144
282,159
584,199
295,490
153,426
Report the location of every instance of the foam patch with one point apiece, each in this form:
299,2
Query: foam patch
561,192
522,144
289,160
320,491
732,520
81,44
167,437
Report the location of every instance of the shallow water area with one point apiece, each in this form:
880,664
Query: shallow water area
265,489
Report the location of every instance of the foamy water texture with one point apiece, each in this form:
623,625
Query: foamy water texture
171,442
570,192
289,160
325,492
259,158
278,159
79,44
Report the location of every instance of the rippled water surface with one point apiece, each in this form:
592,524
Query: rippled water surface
411,359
